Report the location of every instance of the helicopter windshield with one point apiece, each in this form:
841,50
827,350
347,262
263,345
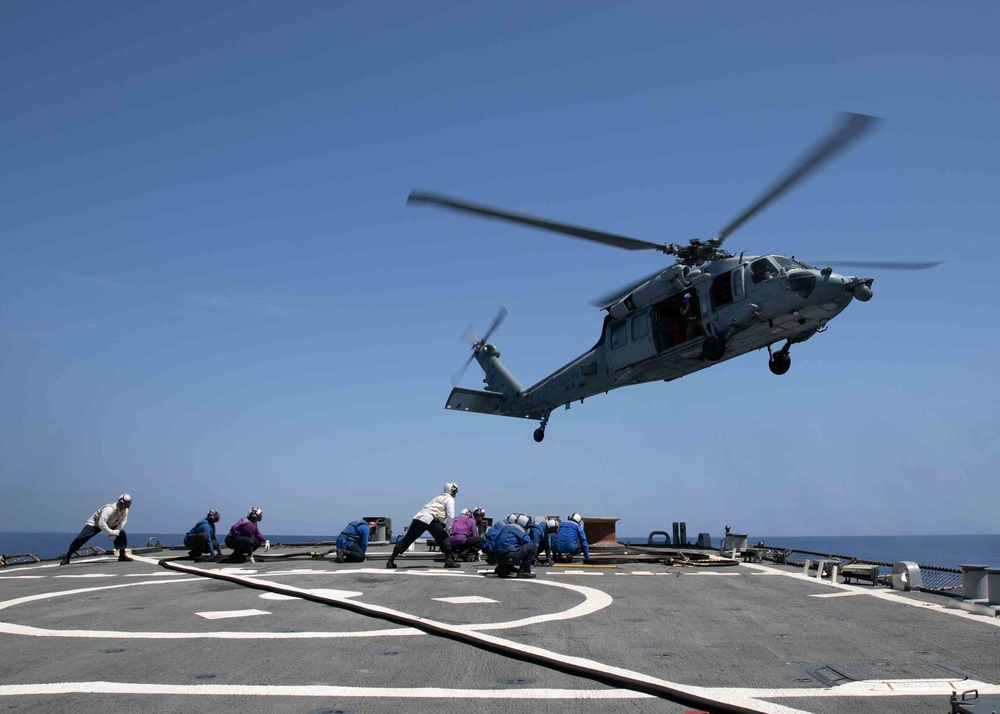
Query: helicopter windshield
788,263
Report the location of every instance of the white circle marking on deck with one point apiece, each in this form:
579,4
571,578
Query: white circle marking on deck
594,600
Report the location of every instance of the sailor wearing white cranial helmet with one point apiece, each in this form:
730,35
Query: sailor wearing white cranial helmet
435,517
570,539
109,518
245,537
514,549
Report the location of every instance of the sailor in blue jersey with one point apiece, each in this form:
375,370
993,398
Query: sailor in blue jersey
569,539
201,539
491,534
541,535
514,550
352,543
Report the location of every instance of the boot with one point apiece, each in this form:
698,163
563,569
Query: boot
64,561
525,574
123,557
340,555
449,560
391,563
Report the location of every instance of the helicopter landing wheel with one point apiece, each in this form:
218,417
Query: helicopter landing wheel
713,348
539,434
779,362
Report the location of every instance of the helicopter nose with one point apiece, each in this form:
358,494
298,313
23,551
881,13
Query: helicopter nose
861,289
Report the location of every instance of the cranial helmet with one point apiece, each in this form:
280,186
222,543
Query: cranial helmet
451,488
125,500
372,525
255,515
213,516
524,520
576,518
552,523
512,518
466,512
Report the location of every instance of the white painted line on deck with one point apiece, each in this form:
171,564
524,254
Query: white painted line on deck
312,690
165,574
88,575
226,614
464,600
882,594
847,594
22,577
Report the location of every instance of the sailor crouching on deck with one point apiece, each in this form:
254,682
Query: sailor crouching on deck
244,537
109,518
435,517
570,539
352,543
514,549
465,540
201,540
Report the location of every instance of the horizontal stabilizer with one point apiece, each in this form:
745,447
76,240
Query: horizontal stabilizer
472,400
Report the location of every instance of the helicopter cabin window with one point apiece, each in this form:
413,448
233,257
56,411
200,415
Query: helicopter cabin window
762,269
722,290
640,326
619,334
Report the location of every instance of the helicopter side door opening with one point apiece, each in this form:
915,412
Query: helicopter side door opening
677,320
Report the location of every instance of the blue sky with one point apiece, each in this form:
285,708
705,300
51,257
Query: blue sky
212,293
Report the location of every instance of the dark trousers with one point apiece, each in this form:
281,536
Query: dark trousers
473,544
416,529
243,545
353,553
520,557
88,532
198,544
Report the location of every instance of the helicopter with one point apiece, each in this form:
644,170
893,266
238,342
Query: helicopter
708,307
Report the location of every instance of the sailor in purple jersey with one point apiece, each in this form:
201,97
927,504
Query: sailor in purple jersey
244,537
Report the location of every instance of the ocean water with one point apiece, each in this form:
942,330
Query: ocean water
53,545
949,551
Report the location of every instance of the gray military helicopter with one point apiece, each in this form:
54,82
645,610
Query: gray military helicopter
709,306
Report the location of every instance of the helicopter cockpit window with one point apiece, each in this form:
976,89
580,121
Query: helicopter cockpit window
762,269
619,334
788,263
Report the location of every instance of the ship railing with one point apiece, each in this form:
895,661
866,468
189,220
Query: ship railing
936,578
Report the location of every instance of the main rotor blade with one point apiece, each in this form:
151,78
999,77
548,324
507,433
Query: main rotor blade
545,225
888,265
851,128
617,294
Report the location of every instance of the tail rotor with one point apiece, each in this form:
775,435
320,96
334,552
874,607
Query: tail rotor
469,336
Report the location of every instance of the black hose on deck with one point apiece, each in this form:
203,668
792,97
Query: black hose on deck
479,642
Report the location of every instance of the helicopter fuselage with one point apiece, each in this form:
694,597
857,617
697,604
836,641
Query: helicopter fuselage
681,321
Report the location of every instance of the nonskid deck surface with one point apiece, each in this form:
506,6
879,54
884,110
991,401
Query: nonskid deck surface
760,637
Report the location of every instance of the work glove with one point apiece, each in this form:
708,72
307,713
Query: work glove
267,545
114,534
